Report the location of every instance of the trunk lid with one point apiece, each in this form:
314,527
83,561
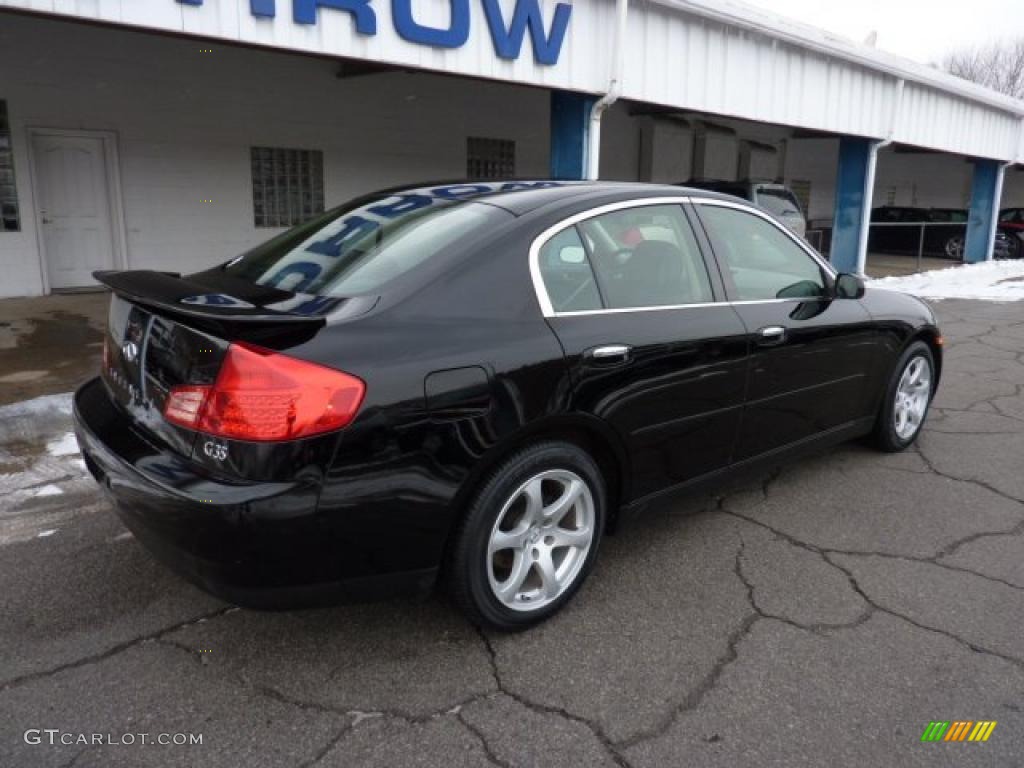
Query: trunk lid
164,330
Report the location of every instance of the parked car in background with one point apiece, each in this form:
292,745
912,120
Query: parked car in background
945,232
897,229
1011,226
777,199
469,381
1009,239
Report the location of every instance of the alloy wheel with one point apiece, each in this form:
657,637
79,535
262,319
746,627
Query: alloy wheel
540,541
955,248
912,396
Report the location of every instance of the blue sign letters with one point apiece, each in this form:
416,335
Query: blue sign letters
506,36
409,29
304,12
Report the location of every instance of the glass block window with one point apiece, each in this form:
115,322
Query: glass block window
287,186
10,221
490,158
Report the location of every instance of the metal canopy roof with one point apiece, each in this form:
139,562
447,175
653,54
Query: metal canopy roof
716,56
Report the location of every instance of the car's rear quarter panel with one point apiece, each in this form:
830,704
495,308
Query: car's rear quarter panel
389,497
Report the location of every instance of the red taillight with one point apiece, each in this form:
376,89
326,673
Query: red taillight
184,405
264,395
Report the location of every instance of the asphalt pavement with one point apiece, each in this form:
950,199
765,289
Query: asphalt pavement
823,614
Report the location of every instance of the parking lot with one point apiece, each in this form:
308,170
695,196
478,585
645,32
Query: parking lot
824,613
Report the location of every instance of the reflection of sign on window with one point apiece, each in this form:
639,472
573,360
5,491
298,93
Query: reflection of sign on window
507,34
9,219
321,250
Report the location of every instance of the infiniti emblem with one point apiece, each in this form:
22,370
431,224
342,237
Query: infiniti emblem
130,351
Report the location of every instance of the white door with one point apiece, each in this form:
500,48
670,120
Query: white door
74,208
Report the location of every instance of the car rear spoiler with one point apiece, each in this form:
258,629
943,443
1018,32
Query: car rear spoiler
169,293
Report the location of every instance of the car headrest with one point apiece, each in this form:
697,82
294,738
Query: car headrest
658,261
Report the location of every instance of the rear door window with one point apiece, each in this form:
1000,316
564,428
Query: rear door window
646,257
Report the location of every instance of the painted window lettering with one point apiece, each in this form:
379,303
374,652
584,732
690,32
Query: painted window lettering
506,34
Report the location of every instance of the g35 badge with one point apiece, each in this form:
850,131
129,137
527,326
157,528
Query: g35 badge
215,451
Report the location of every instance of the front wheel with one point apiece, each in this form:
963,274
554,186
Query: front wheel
907,398
954,248
529,537
1013,246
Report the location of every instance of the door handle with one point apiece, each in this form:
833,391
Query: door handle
771,334
609,353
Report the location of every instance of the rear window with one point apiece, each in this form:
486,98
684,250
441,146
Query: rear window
358,248
781,202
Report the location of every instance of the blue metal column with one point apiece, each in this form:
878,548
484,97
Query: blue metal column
986,189
854,182
570,122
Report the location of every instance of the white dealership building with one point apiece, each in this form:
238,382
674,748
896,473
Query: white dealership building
174,134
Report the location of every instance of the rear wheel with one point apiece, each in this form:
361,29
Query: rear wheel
529,537
907,398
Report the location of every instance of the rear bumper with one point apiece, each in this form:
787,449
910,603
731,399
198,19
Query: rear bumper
259,545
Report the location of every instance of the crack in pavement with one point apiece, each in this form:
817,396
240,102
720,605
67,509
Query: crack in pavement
696,695
816,628
610,746
113,650
482,738
824,553
344,731
358,716
913,622
919,450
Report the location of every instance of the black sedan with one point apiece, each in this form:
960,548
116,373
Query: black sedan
472,381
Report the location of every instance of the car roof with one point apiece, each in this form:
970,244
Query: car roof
521,196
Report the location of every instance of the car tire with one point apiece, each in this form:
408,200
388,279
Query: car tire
907,397
1014,246
548,504
954,248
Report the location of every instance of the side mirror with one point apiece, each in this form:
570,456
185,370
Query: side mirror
849,286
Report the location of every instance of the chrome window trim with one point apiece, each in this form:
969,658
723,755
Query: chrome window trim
541,240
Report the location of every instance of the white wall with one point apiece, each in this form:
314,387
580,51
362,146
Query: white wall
815,161
185,121
922,179
620,144
1013,188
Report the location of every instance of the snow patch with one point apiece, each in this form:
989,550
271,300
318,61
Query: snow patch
66,445
45,404
44,534
987,281
49,490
